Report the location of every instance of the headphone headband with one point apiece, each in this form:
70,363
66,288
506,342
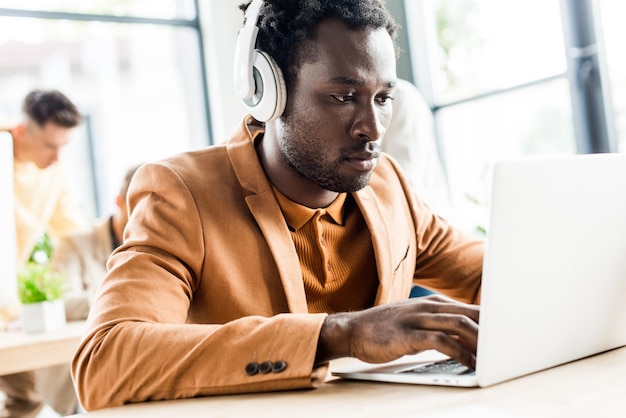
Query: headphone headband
258,79
244,51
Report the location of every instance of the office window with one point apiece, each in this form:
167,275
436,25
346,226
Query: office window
498,88
535,120
614,32
486,45
160,9
138,84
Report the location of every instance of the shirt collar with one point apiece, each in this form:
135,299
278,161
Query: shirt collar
297,215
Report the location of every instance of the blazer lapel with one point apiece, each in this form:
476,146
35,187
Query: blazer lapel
264,207
381,240
266,211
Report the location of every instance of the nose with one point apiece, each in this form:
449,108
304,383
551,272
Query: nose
370,123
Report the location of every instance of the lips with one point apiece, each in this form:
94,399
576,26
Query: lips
363,161
364,155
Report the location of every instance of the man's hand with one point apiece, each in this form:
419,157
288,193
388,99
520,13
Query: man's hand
387,332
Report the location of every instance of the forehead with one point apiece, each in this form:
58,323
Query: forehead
338,51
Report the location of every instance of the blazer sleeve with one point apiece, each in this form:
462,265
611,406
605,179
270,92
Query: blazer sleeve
138,345
449,261
441,257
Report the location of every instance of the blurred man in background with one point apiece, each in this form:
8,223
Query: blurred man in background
42,204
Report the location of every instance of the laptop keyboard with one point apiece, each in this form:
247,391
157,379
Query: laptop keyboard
447,366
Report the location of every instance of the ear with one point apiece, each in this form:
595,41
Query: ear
119,201
18,131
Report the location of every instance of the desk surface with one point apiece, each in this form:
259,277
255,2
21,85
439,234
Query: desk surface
593,387
21,352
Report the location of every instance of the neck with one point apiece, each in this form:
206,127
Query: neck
290,183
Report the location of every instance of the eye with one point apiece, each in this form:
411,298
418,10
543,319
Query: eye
344,98
384,99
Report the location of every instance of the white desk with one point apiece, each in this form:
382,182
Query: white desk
593,387
20,352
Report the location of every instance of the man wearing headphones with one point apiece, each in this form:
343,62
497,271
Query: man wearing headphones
247,266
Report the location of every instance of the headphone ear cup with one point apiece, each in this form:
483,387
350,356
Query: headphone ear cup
270,94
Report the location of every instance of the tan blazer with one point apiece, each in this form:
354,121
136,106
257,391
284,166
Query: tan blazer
208,279
82,257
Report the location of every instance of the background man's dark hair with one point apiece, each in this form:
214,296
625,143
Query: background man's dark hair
43,106
285,25
128,176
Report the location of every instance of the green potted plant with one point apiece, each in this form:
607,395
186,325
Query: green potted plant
40,290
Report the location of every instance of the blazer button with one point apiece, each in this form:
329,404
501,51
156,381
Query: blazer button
279,366
252,369
265,367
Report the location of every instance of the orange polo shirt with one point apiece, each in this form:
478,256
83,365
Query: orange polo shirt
336,254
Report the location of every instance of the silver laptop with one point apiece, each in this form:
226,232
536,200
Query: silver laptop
554,274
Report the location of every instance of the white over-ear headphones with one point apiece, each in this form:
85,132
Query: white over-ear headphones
258,79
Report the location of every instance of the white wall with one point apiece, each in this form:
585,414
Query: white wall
221,21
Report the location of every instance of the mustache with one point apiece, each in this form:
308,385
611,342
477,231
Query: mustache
364,151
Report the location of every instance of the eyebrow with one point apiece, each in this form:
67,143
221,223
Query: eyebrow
355,81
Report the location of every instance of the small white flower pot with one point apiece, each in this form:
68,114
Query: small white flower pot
45,316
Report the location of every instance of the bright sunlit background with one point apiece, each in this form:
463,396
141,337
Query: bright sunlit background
154,77
499,87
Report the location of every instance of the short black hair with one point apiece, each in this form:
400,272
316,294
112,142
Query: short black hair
284,25
43,106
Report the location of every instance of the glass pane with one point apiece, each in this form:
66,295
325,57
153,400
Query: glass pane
612,15
475,134
162,9
139,86
483,45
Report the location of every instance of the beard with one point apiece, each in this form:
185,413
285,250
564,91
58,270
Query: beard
314,159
